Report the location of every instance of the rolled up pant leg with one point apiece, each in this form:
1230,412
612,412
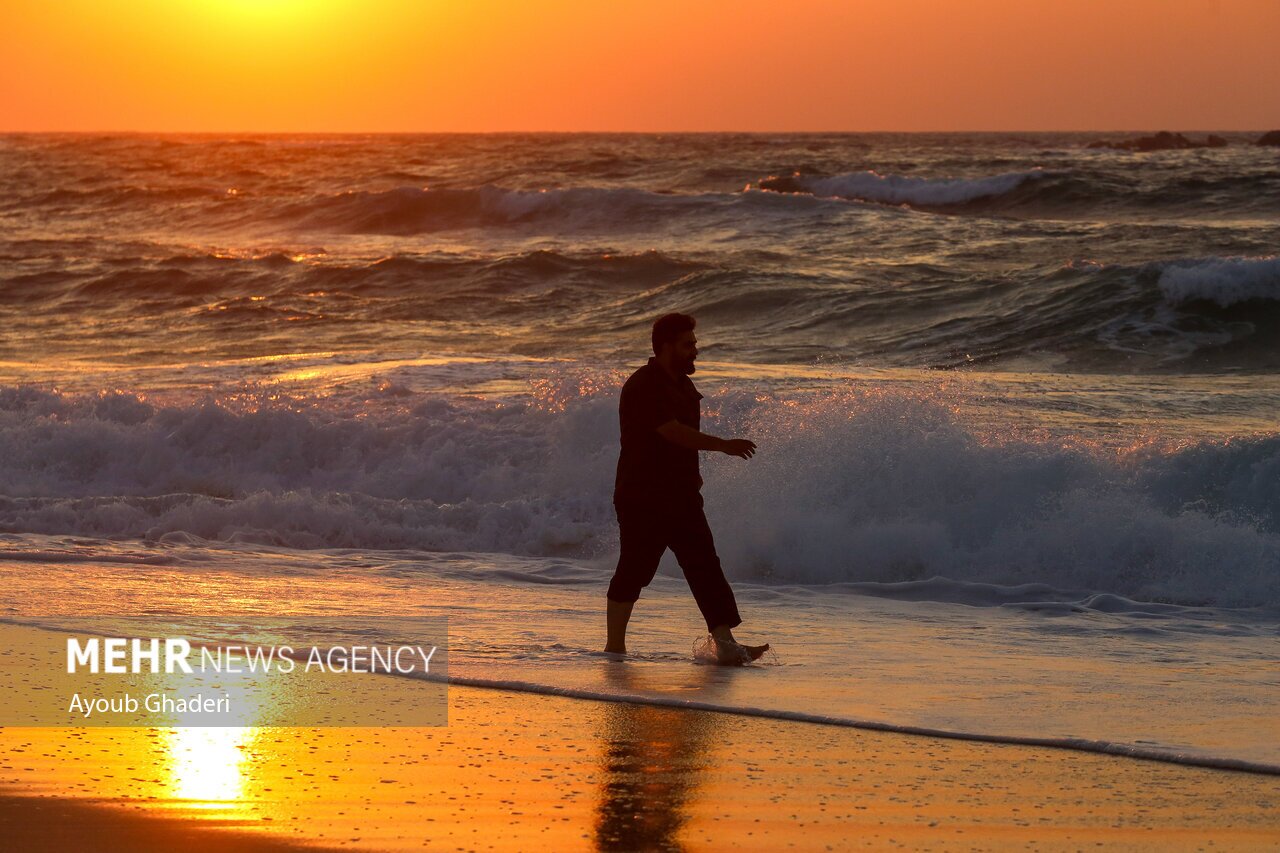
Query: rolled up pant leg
643,533
695,549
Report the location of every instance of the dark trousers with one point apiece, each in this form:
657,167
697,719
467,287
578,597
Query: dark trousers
648,530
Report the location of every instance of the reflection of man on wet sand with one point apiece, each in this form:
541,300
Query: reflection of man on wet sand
656,494
654,761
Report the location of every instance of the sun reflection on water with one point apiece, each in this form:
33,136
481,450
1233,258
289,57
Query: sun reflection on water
207,764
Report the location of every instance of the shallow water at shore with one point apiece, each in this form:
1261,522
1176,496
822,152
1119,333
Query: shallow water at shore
1100,673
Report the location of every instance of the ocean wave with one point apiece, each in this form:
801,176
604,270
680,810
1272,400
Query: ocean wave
864,485
125,195
469,280
905,189
414,210
892,487
1209,313
1222,281
1087,315
1084,190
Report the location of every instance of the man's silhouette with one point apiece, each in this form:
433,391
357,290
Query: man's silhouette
656,495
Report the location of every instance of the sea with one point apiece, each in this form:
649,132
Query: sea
1015,402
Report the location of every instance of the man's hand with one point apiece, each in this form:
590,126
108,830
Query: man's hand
686,436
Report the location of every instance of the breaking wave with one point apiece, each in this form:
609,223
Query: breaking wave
905,189
861,485
1222,281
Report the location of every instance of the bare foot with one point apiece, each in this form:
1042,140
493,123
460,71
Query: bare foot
609,650
733,653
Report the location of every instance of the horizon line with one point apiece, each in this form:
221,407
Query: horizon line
123,132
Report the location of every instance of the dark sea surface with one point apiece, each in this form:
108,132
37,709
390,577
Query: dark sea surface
904,250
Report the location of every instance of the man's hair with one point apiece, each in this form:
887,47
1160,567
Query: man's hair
669,327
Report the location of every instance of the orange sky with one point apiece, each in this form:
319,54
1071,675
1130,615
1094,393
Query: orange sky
478,65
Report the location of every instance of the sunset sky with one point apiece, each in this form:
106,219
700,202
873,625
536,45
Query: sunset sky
650,65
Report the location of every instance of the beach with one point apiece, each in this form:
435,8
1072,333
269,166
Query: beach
513,771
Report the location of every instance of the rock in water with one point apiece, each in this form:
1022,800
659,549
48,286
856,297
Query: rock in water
1162,141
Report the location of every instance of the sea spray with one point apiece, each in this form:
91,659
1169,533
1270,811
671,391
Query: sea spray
878,482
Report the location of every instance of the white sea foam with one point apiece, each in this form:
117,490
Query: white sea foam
869,485
911,190
1224,281
895,487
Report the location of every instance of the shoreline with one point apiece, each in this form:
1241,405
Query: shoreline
512,770
1093,747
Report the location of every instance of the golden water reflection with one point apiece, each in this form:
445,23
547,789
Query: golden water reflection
652,757
207,767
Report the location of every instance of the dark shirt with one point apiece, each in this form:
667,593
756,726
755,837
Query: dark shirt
650,468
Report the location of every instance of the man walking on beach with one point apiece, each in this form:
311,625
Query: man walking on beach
656,494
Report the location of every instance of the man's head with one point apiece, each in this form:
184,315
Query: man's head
674,343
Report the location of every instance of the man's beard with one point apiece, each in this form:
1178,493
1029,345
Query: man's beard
689,368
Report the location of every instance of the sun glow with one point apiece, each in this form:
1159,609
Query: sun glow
279,34
278,16
440,65
206,768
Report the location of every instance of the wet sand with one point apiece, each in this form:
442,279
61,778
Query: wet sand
512,771
54,823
